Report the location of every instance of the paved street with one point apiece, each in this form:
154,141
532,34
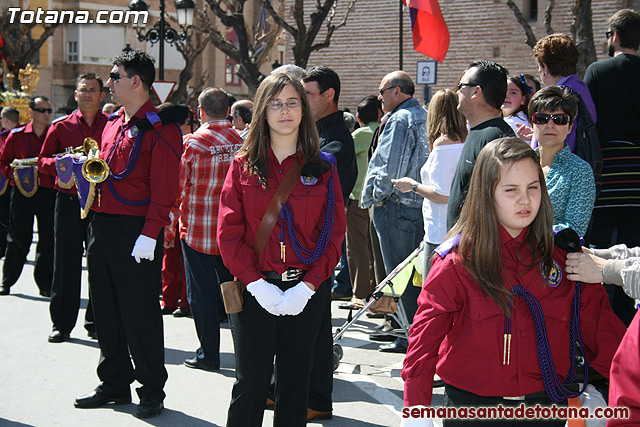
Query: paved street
40,380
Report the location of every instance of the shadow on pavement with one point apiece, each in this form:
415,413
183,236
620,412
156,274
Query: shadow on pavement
168,418
8,423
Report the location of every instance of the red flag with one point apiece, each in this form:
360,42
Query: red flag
430,32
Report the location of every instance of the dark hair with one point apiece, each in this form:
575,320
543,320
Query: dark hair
90,76
256,144
480,249
32,101
558,52
626,23
444,118
10,112
492,78
369,109
326,79
138,63
553,98
214,102
521,81
244,113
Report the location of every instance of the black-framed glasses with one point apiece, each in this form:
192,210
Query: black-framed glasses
609,33
277,105
43,110
560,119
115,76
381,91
461,85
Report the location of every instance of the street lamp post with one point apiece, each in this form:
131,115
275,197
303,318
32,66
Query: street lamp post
162,32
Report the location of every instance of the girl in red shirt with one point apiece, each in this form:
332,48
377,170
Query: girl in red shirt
498,320
286,286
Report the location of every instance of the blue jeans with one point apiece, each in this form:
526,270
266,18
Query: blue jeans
342,283
204,273
400,230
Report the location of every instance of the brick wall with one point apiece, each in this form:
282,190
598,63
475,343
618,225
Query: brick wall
367,47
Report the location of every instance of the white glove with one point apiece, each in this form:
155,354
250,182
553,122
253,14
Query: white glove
267,294
416,422
295,299
144,248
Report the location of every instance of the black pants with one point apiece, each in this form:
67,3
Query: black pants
22,211
70,236
259,336
322,372
455,397
5,203
126,307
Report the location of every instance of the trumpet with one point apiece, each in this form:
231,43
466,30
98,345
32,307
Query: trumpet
24,163
95,170
84,149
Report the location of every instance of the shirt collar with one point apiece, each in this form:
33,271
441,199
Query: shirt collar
331,118
507,240
140,114
217,123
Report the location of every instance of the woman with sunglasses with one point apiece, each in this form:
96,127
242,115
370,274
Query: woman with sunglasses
569,179
287,285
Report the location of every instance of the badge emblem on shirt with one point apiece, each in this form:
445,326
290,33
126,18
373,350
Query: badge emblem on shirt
133,132
555,276
308,180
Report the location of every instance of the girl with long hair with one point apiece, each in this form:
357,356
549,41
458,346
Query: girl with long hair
286,286
498,320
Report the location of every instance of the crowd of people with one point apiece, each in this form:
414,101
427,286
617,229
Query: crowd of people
273,194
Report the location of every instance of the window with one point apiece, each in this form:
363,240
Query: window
231,66
72,51
496,52
530,10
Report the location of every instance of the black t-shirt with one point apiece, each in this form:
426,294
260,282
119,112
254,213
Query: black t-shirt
336,139
478,137
615,88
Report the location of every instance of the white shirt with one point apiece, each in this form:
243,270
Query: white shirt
438,171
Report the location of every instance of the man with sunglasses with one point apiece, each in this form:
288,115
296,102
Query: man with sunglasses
481,91
124,253
615,88
570,181
402,150
69,229
23,143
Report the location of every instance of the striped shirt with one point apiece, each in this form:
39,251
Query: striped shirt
207,156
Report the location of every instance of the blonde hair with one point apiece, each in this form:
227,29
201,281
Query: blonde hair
444,118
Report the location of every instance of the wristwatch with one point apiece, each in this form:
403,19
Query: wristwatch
415,187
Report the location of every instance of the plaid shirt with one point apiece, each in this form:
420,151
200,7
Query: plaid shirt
207,156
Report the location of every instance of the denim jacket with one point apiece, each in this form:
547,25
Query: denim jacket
402,150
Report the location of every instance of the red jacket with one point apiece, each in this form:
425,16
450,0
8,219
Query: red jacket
243,202
23,143
155,176
458,332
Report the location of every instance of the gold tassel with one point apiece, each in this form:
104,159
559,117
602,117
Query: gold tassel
282,251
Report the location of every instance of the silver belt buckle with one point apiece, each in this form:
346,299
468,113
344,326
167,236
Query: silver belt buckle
291,274
513,397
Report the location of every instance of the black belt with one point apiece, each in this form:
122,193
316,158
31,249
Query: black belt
289,275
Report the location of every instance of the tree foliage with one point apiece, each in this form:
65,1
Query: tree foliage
255,42
20,47
581,29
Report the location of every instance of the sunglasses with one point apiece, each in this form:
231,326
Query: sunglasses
543,118
43,110
461,85
382,91
115,76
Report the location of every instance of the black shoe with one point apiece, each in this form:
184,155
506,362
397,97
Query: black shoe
149,408
4,290
46,294
382,336
92,334
58,336
196,363
167,310
182,312
98,398
337,296
394,347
